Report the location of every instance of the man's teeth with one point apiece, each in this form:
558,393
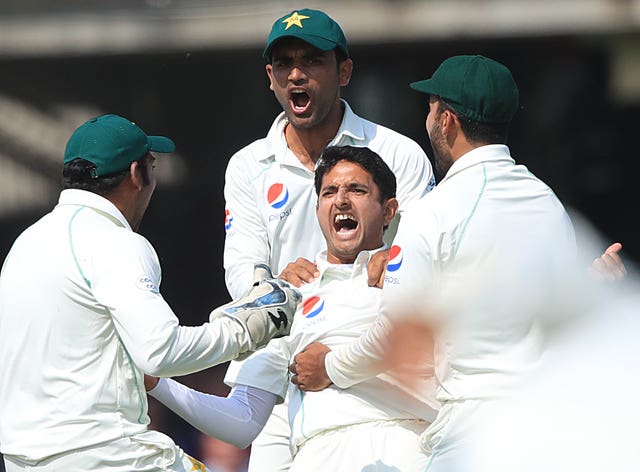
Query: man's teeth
342,218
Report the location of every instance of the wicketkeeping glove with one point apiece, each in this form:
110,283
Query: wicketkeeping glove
266,311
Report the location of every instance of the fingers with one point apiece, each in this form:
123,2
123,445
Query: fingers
614,248
300,272
609,266
307,369
377,267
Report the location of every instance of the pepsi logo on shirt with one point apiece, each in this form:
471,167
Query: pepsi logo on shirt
312,306
395,261
278,197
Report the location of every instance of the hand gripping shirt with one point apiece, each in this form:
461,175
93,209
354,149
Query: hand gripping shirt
336,309
270,197
81,319
473,254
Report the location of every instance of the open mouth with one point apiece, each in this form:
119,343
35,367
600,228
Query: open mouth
300,101
344,223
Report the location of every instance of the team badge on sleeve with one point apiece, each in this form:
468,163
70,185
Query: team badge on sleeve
144,282
227,220
278,195
395,258
312,306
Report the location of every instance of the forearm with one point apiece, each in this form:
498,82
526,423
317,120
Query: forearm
166,349
236,419
359,360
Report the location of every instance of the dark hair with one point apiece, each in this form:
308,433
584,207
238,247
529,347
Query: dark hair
365,158
340,56
477,132
79,174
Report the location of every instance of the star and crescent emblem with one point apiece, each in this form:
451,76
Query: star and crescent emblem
294,19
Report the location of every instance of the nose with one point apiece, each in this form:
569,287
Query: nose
342,197
297,74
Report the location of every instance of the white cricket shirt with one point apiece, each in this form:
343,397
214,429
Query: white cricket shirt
336,309
81,319
452,259
270,198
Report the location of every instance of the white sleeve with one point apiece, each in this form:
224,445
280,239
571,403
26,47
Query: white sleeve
246,241
126,281
403,294
359,360
266,369
236,419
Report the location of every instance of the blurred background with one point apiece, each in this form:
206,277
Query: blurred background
192,70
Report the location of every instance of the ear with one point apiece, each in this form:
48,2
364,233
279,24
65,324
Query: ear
345,69
390,208
269,69
135,173
448,122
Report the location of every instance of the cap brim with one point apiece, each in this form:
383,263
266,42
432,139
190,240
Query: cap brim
160,144
316,41
424,86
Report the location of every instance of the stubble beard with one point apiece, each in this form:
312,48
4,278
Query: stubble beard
441,157
316,118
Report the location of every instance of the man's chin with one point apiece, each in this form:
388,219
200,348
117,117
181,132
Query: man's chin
346,253
302,122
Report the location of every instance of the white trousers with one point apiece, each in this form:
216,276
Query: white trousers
382,446
148,451
448,443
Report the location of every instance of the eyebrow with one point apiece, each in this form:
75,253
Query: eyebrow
350,186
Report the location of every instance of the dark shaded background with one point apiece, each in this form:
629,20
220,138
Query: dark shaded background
569,132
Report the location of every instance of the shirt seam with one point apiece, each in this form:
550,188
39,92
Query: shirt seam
473,210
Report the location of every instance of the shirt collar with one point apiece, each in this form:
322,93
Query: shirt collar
95,202
351,131
358,267
490,152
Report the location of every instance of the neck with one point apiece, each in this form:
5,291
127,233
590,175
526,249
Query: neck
309,143
334,258
461,146
125,200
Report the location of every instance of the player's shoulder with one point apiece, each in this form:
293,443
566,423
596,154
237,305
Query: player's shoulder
262,149
381,138
126,242
252,152
379,131
431,203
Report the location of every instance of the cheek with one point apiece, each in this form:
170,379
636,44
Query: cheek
278,79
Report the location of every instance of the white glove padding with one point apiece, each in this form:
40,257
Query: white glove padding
265,312
261,272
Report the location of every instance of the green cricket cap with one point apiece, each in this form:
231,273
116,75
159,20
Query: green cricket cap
312,26
112,143
476,87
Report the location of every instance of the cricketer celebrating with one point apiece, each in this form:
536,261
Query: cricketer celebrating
82,317
269,192
376,424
